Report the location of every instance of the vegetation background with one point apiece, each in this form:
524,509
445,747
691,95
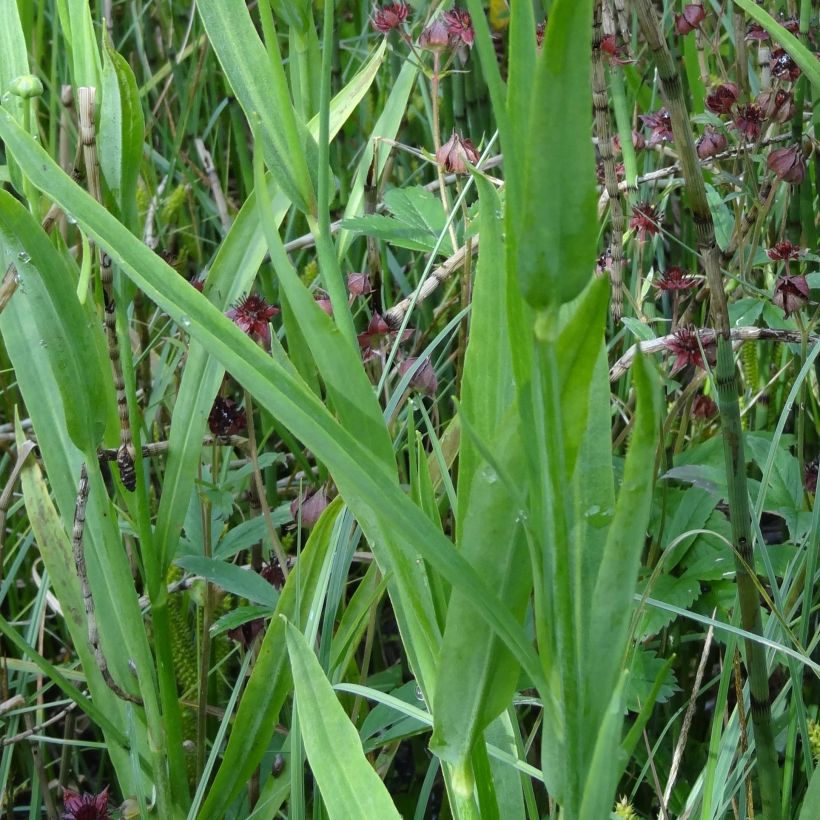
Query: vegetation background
409,410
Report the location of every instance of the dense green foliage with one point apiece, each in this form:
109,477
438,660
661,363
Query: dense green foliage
338,477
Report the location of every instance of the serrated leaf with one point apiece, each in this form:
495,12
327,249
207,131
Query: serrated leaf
645,668
681,592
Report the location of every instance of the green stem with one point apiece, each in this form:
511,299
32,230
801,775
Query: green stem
767,772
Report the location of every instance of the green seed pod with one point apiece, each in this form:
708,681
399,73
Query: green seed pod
26,86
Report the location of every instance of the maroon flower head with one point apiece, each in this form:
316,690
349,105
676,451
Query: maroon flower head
645,220
251,315
693,15
784,251
196,283
748,121
776,104
436,37
604,263
358,284
790,293
459,27
617,54
378,328
424,379
226,418
704,407
711,143
390,17
309,507
638,141
783,66
756,32
85,806
788,164
325,304
810,475
661,124
721,98
791,24
675,278
454,155
685,346
540,30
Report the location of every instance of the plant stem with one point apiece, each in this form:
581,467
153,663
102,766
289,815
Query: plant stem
767,771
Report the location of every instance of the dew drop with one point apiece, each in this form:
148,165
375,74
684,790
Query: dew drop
184,321
71,219
24,257
489,475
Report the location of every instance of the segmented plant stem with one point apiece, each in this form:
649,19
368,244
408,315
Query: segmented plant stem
88,135
78,554
767,771
603,130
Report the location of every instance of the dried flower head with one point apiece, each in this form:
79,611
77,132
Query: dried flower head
748,121
378,328
309,507
685,345
424,379
704,407
721,98
788,164
776,104
645,220
226,417
251,315
790,293
459,26
391,17
783,65
693,15
638,141
454,155
436,37
358,284
618,55
675,278
756,32
604,263
810,472
661,124
85,806
711,143
784,251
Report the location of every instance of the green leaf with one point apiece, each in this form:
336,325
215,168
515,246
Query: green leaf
421,211
682,592
261,88
350,790
231,578
122,130
554,215
722,216
250,532
643,674
66,328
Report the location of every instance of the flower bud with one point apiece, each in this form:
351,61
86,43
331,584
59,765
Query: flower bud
26,86
712,142
454,155
788,164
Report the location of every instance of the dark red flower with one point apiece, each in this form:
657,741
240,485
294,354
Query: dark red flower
756,32
790,293
540,29
251,315
686,347
748,121
704,407
675,278
325,304
721,98
784,251
783,66
358,284
424,379
638,141
309,506
226,418
378,328
711,143
645,220
618,55
459,27
454,155
810,476
693,15
620,172
197,284
436,37
390,17
604,263
661,124
777,105
788,164
85,806
791,24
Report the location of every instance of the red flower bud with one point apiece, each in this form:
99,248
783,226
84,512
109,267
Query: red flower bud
712,142
454,155
788,164
693,15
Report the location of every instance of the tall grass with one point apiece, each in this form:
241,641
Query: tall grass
555,578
